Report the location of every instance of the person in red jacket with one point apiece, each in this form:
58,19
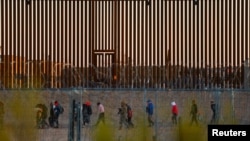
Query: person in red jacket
174,112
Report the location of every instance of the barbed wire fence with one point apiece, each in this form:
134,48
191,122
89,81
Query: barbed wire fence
65,75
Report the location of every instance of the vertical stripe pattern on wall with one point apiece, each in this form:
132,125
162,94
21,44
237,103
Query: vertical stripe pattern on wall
188,44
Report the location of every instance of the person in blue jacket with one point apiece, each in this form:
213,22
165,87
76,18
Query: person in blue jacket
150,111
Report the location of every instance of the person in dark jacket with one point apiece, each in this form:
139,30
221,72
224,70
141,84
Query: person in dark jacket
150,111
194,113
56,113
122,113
86,112
213,108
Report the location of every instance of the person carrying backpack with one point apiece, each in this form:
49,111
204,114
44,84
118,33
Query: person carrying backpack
57,110
86,112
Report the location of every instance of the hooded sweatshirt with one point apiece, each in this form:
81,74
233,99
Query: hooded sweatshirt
174,108
150,108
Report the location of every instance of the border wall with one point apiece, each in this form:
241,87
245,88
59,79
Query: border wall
123,43
233,108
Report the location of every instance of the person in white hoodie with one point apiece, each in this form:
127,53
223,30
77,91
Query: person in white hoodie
101,117
174,112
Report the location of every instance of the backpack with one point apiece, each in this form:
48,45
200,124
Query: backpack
61,109
84,109
89,110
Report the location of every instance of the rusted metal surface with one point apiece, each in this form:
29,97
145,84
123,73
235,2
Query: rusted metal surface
123,43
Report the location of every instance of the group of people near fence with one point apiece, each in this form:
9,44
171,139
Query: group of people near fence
125,113
41,115
56,109
194,113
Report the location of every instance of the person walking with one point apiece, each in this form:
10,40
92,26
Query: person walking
213,108
57,110
150,111
101,117
174,113
86,112
194,113
122,112
129,116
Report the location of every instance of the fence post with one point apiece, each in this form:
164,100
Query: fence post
233,117
71,121
218,106
79,122
246,81
180,129
156,117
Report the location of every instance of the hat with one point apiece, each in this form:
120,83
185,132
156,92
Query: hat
148,100
173,103
56,102
87,103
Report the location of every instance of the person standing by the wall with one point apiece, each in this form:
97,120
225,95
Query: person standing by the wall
174,112
101,117
150,111
194,113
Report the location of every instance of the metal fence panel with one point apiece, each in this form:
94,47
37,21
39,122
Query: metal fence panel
186,44
233,108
